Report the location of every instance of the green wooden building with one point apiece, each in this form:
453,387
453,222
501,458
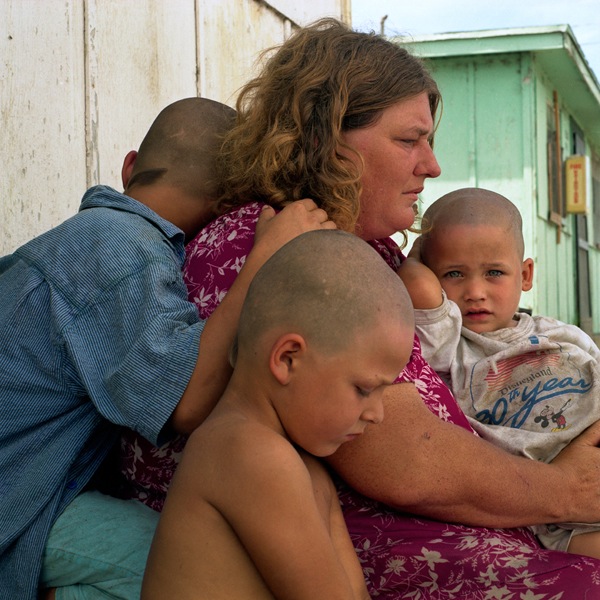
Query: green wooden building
517,104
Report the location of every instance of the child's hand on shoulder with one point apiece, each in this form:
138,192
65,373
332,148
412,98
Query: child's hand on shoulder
273,230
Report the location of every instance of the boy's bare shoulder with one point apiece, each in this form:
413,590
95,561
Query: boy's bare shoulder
241,446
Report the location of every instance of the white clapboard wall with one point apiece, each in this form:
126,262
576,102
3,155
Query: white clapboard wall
81,81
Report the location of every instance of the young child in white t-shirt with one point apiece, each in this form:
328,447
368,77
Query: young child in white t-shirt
528,384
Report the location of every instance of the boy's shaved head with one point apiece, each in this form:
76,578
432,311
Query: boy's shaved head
325,285
473,206
181,145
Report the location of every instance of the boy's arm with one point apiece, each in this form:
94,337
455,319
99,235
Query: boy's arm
284,530
423,286
340,537
345,550
213,371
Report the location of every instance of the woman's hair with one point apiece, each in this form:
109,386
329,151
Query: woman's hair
324,80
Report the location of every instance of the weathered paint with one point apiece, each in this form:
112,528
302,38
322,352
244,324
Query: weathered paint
42,116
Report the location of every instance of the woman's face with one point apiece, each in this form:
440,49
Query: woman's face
397,160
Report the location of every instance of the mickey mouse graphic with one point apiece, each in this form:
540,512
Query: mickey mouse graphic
547,414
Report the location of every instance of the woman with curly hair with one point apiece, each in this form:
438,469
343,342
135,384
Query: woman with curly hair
347,119
290,140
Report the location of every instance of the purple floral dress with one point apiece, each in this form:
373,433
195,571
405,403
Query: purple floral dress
403,556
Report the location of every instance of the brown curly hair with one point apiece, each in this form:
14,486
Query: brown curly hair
324,80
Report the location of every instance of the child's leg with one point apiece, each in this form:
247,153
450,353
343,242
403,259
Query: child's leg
587,544
97,549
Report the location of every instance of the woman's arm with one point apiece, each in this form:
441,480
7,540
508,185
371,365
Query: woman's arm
417,463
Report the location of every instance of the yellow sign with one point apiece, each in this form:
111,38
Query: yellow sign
576,184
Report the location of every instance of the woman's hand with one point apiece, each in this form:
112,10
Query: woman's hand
579,476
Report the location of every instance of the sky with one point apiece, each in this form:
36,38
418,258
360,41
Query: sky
423,17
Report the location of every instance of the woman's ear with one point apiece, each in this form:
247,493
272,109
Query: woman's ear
286,354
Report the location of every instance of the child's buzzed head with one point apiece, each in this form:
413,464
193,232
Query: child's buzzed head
473,207
326,326
326,286
181,147
473,243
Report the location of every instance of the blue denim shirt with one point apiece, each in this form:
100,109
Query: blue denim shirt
95,331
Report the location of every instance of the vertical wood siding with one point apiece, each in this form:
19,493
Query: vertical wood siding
83,79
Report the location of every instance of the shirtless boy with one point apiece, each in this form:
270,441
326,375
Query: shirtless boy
251,513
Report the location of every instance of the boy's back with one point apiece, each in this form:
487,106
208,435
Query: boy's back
54,292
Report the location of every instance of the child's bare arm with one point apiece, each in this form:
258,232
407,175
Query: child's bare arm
294,531
423,286
343,544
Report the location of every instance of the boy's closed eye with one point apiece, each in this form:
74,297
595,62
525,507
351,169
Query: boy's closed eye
364,392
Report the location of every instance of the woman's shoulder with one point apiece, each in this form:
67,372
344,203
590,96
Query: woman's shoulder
225,228
216,255
389,250
232,232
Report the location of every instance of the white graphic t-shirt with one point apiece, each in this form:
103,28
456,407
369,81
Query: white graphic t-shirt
530,389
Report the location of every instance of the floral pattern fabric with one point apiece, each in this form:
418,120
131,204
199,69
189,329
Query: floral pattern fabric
403,556
410,557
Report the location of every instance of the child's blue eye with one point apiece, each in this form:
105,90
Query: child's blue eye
495,273
452,274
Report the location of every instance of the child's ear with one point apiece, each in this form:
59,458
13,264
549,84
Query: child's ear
127,169
527,275
286,354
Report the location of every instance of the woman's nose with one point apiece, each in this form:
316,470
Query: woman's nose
428,165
